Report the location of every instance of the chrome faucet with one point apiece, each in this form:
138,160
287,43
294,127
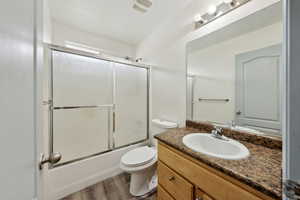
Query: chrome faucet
218,133
232,124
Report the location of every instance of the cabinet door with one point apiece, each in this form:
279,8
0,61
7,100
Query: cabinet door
162,194
206,197
200,195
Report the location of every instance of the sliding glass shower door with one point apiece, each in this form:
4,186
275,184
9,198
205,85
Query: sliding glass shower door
97,105
82,94
131,100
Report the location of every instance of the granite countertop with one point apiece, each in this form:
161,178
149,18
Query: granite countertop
261,170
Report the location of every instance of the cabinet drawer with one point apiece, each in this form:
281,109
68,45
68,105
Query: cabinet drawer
174,184
200,175
162,194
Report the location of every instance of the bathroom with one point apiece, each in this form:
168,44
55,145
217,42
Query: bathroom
150,100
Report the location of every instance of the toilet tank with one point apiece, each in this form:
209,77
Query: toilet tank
159,126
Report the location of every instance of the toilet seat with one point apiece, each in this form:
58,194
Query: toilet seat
138,157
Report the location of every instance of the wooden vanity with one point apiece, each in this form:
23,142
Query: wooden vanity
182,177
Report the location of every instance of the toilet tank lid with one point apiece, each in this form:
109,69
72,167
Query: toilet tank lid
164,123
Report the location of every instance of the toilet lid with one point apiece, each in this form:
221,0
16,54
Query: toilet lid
138,156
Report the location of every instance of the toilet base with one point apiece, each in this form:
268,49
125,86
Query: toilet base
140,181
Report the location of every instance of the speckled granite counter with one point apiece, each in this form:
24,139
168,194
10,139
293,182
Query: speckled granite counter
261,170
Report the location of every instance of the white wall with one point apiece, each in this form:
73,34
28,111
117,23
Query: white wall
165,49
62,33
215,68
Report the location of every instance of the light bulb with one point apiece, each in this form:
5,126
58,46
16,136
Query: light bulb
212,10
198,18
220,13
228,1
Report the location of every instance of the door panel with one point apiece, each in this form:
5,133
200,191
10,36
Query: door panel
267,78
17,116
93,98
291,86
258,88
131,99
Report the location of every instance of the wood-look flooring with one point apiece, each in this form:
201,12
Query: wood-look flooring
115,188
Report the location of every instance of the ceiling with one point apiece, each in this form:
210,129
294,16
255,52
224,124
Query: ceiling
115,19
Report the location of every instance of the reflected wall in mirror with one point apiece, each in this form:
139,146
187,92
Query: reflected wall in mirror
234,74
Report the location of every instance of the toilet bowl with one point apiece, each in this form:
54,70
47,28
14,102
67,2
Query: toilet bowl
141,164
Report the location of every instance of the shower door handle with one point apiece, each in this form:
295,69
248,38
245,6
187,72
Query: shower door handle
53,158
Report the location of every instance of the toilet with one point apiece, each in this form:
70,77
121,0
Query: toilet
141,163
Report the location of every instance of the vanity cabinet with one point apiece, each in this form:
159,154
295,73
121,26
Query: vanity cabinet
181,177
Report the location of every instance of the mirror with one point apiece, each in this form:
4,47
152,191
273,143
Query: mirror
233,74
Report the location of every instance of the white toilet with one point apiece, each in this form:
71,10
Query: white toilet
141,163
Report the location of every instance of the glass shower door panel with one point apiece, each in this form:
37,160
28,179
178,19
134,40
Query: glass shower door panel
80,80
131,99
79,133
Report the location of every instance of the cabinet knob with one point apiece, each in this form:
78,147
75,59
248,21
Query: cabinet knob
172,178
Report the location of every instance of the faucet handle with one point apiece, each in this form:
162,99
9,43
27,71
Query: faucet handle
233,123
218,129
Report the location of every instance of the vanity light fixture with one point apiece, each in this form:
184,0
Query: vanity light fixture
212,10
215,11
220,13
142,5
198,19
228,1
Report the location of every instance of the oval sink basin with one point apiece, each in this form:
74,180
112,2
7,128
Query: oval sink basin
209,145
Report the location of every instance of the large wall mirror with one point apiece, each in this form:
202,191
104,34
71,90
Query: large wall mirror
234,74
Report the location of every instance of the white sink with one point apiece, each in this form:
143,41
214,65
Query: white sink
207,144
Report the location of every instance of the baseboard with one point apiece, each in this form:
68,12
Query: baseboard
91,180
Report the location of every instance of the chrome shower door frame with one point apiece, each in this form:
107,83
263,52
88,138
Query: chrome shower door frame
110,107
